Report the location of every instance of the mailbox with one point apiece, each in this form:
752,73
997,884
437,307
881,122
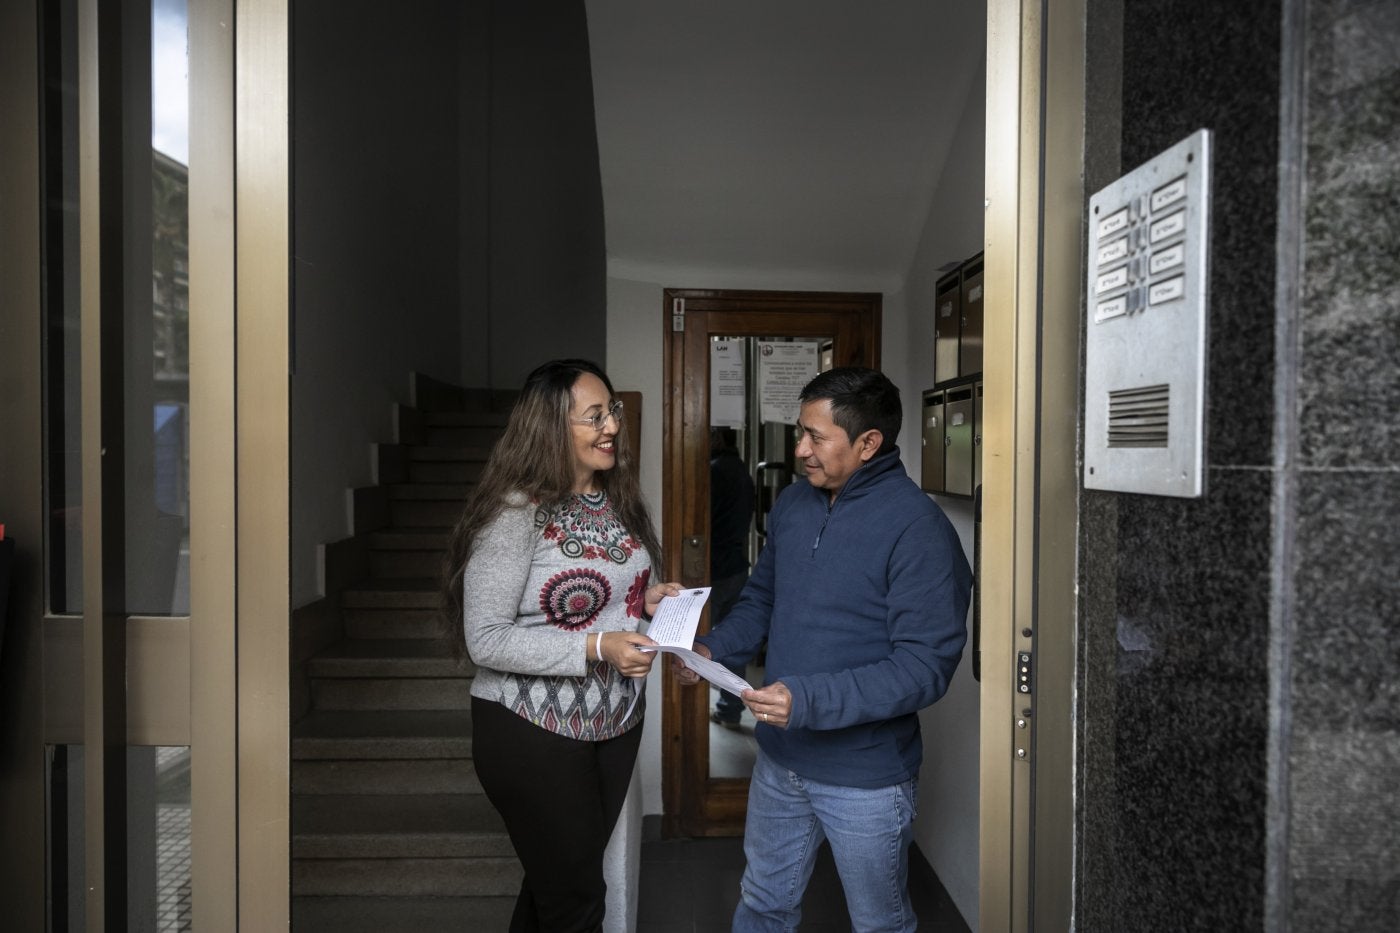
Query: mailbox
947,326
958,416
932,473
970,336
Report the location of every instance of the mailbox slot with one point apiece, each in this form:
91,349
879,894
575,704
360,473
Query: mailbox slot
958,433
947,326
932,474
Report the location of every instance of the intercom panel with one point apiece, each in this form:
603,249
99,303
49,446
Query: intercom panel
1145,350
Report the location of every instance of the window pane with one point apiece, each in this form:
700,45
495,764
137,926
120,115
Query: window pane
62,374
157,320
158,839
65,838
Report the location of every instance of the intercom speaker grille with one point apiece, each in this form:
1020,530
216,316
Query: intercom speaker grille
1138,417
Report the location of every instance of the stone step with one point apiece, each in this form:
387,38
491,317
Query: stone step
393,593
401,914
406,877
446,464
411,539
448,453
450,492
383,657
408,552
462,435
466,419
366,624
390,565
424,513
434,395
390,693
410,826
414,776
382,735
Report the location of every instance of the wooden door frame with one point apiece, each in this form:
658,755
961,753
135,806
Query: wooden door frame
719,808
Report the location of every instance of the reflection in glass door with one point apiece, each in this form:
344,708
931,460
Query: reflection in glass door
751,444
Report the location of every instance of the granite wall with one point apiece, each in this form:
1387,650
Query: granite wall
1338,858
1237,735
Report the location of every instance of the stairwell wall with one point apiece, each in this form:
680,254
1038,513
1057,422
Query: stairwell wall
448,220
375,216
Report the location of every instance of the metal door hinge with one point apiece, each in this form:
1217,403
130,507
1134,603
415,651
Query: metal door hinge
677,315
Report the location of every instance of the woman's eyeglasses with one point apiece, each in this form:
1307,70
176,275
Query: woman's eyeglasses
596,422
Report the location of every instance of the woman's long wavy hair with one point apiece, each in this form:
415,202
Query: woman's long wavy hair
535,456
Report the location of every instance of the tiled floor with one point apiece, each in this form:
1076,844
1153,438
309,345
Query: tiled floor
173,869
173,840
692,885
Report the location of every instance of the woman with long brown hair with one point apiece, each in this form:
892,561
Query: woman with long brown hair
546,582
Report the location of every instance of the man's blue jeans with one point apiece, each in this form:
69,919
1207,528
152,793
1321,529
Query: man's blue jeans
869,830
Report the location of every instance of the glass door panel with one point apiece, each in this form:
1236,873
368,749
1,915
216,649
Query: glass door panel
762,440
705,766
158,839
109,741
140,278
157,367
61,309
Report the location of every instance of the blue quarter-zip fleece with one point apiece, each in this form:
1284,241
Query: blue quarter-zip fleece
864,605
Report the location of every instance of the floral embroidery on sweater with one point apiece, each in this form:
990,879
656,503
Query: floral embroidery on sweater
586,527
637,594
573,598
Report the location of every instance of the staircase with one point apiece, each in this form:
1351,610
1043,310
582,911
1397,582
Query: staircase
390,828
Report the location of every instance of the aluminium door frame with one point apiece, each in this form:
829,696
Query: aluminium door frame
1033,255
218,684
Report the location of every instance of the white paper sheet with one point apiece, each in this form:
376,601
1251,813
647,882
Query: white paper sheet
673,629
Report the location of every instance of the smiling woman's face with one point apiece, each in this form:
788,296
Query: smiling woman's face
593,450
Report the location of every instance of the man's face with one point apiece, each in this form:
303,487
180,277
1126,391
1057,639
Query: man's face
824,450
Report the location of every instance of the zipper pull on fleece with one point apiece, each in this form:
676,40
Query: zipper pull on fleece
820,531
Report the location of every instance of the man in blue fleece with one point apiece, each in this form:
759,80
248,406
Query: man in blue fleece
861,592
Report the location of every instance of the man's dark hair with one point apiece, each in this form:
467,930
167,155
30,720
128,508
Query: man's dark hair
861,399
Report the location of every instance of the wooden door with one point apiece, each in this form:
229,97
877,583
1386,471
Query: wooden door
698,803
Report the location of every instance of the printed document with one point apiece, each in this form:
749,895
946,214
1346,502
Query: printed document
673,629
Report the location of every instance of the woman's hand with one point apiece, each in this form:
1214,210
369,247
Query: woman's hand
654,594
620,649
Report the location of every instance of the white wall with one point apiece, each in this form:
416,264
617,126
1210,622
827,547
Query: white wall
634,361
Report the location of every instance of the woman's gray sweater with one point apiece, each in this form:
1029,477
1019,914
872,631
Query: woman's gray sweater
536,585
